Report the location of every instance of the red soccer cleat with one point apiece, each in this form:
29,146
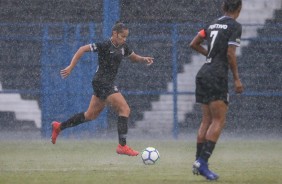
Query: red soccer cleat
126,150
55,131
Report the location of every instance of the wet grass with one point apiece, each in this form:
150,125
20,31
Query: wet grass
79,162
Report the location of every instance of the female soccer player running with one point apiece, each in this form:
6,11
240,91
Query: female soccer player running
110,54
222,36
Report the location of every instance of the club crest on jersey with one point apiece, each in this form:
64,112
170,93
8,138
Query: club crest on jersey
115,89
122,51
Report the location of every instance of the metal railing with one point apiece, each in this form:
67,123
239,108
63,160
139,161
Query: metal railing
59,41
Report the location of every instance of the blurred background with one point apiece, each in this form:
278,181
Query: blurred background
38,38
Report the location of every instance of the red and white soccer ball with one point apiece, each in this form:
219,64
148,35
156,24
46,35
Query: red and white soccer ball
150,156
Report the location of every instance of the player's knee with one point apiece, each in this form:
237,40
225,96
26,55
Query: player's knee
222,124
91,115
88,116
201,135
206,122
124,110
219,122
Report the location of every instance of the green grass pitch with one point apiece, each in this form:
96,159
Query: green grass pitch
95,161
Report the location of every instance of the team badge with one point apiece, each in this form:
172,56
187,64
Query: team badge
122,51
115,89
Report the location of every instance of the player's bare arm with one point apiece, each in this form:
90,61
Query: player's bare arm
79,53
137,58
196,44
231,55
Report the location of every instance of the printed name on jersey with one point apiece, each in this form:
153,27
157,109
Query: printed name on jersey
218,26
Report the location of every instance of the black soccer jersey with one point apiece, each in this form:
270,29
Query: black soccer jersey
219,34
109,59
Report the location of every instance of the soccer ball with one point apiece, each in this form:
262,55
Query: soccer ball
150,156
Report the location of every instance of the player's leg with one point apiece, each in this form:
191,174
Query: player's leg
218,111
96,105
218,100
205,123
201,137
94,109
203,97
119,104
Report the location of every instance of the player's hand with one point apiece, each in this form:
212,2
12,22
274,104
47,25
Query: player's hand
238,86
66,72
148,60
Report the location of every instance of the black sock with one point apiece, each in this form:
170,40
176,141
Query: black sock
199,149
122,129
207,150
73,121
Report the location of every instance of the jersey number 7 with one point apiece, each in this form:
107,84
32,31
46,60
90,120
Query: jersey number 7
213,35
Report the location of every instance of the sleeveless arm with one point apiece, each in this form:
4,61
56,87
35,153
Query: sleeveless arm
79,53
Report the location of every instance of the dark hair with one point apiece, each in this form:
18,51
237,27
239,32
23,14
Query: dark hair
119,27
231,5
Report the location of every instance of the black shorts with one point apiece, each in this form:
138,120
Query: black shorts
102,90
211,89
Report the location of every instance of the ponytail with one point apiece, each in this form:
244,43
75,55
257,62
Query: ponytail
231,5
119,27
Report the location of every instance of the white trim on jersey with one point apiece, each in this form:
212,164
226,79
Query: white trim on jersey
225,16
221,18
234,43
130,54
116,46
93,47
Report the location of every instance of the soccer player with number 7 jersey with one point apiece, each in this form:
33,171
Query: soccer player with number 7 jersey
222,37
